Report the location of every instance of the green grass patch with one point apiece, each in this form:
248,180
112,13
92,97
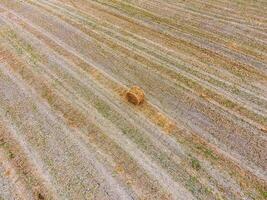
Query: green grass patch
195,164
207,152
191,184
264,194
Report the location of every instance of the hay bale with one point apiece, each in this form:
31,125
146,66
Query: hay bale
135,95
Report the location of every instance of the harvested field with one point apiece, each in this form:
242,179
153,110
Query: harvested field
68,129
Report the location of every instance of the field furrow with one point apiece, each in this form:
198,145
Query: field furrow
67,130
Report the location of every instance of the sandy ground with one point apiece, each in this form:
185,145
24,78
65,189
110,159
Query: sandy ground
68,132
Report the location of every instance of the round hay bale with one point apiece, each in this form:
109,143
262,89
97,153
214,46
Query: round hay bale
135,95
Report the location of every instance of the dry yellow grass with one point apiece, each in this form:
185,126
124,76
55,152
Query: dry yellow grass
192,126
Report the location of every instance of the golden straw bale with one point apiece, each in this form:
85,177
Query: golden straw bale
135,95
